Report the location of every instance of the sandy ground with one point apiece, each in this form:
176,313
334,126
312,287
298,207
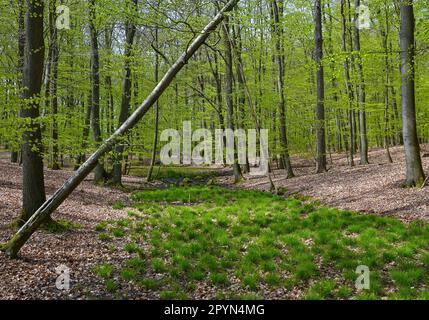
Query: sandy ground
375,188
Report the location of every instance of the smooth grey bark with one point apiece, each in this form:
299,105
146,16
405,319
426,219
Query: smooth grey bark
108,31
13,246
361,94
229,92
255,116
334,83
214,67
414,175
237,46
85,132
397,120
349,86
99,173
126,97
52,85
21,56
385,35
156,129
320,104
33,185
279,58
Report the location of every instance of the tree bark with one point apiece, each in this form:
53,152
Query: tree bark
99,173
320,104
361,94
279,58
126,97
229,93
414,175
349,86
21,56
238,48
385,35
108,82
156,129
53,85
33,185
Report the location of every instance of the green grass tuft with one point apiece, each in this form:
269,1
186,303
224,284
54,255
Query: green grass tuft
208,235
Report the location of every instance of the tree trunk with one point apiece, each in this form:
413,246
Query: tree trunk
229,93
53,85
155,133
320,105
385,35
278,34
415,175
33,185
349,86
238,47
108,82
21,56
99,173
126,97
361,95
85,132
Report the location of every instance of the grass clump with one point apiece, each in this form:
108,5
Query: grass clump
104,270
60,226
208,235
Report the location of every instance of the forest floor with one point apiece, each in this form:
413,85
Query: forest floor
33,276
374,188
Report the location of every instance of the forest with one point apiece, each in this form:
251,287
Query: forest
214,149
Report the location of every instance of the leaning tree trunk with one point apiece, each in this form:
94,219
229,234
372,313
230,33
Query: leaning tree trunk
320,105
415,175
13,246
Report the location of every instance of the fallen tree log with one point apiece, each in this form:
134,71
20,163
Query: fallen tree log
13,246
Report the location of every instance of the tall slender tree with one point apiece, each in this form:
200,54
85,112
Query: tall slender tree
276,8
21,57
229,92
156,128
361,94
415,175
33,184
349,85
99,173
52,85
130,28
320,104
